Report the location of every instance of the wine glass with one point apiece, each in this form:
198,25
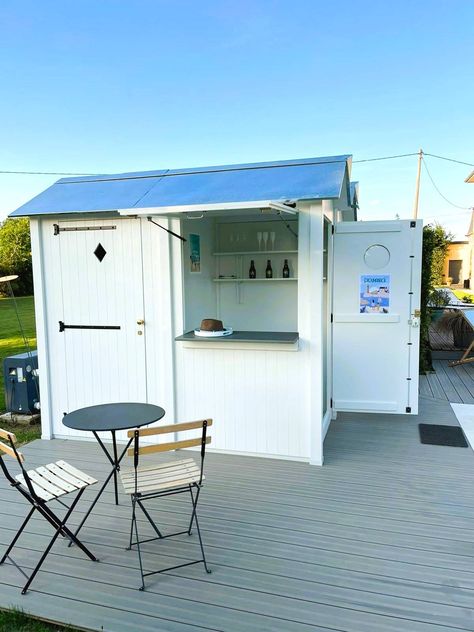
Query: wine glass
265,239
259,239
272,239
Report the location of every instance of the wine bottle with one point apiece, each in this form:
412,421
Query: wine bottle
252,271
268,270
286,270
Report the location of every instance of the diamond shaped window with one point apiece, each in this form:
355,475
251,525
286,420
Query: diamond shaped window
100,252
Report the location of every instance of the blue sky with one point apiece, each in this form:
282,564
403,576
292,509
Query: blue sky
114,86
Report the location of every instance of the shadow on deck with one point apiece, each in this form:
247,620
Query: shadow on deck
380,539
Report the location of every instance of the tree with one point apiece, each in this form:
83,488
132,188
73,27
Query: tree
15,253
436,241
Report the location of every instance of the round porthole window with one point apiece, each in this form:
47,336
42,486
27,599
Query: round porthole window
376,256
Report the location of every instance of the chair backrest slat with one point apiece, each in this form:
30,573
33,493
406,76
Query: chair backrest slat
5,434
186,425
10,451
166,447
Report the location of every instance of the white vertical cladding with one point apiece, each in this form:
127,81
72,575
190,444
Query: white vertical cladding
157,298
48,307
254,396
36,226
310,315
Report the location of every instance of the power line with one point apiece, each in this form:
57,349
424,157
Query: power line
459,162
386,157
71,173
46,173
464,208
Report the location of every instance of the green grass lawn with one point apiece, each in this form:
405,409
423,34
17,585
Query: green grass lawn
462,293
11,341
15,621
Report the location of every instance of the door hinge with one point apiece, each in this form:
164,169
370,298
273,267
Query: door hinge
76,229
63,327
332,229
332,317
330,403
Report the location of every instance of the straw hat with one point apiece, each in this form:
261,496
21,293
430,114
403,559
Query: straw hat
211,324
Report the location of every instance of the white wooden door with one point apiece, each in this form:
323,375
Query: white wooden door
102,300
377,271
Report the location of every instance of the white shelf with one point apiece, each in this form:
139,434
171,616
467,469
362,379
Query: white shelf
255,252
253,280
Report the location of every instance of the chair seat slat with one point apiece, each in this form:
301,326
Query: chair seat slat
161,466
39,491
159,485
55,480
150,477
169,471
69,478
70,469
162,476
45,484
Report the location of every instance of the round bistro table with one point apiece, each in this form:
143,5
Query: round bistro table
111,418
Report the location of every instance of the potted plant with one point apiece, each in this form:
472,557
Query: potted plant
452,321
439,299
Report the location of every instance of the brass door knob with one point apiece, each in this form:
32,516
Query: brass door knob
140,322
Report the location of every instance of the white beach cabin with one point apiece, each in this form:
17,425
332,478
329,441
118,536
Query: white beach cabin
118,298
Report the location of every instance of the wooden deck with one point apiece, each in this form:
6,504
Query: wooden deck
453,384
378,540
441,340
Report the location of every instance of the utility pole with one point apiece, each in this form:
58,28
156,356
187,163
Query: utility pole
417,188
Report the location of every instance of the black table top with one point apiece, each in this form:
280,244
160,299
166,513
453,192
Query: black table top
108,417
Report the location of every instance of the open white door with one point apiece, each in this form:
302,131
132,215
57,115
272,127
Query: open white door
377,274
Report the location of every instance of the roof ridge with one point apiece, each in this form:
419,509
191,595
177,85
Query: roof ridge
301,162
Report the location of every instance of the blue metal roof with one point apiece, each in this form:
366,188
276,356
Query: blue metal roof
305,179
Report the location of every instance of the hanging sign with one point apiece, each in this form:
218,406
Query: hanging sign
374,294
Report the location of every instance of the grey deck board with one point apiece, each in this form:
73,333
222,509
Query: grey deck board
436,387
379,539
454,384
455,380
424,386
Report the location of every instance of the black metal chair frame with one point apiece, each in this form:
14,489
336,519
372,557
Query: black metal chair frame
115,461
39,505
138,498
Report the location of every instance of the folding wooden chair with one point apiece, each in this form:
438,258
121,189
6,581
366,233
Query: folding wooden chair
144,483
39,487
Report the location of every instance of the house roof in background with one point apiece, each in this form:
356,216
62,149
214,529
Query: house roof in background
470,178
354,188
304,179
470,230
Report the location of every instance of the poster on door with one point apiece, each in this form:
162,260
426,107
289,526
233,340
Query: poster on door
374,294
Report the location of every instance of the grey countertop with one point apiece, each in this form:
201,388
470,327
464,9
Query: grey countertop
282,337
